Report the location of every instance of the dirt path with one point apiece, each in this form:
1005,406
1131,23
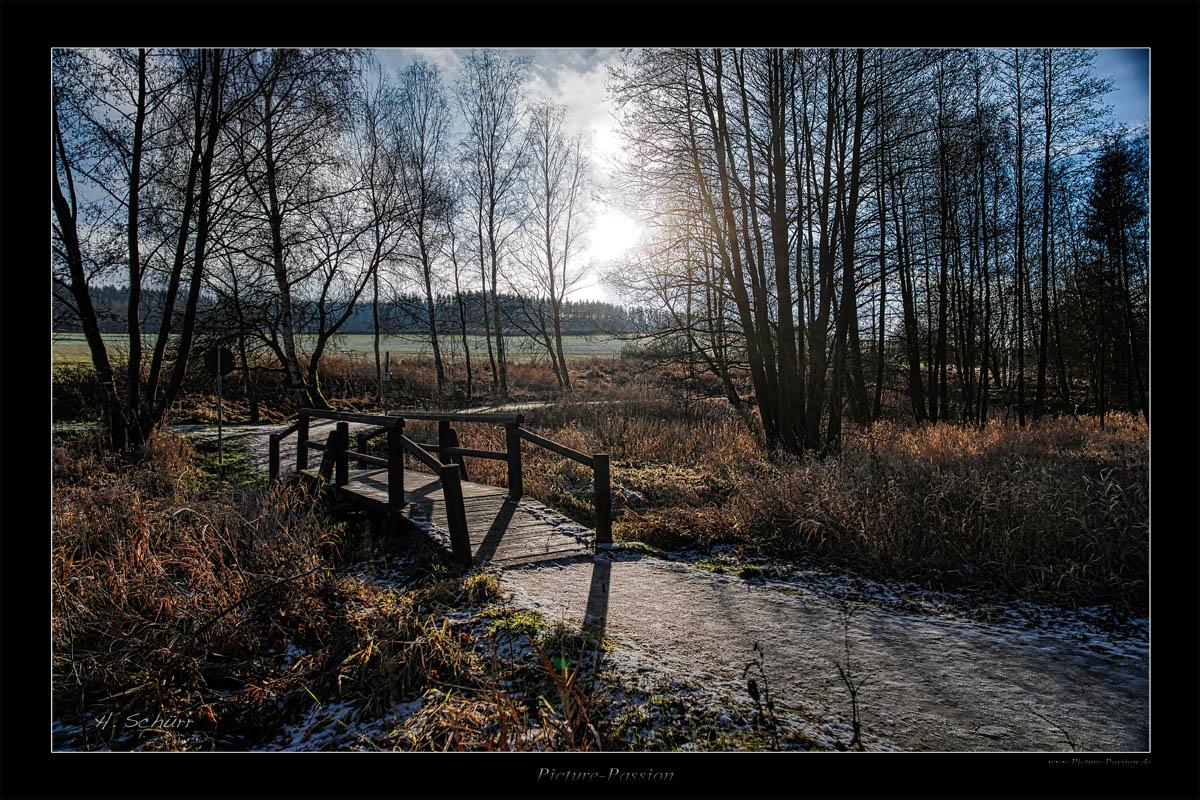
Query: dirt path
1050,682
931,683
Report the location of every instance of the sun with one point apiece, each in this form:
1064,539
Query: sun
612,235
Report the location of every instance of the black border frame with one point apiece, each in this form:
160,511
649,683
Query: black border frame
29,769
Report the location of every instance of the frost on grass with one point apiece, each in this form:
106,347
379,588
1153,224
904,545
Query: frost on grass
332,726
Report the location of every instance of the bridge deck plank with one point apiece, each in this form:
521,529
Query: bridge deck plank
500,531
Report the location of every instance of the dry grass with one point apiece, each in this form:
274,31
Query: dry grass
1058,511
177,596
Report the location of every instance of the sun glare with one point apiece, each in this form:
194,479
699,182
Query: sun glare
613,234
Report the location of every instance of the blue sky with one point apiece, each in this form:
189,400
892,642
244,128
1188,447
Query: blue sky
1129,70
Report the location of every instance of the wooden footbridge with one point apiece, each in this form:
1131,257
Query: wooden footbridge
484,523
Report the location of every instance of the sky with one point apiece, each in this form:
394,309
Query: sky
1129,70
576,77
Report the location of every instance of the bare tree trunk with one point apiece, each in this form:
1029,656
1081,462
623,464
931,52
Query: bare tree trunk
556,311
1020,279
1130,339
248,378
133,321
849,313
462,311
818,354
181,244
1064,382
731,260
1043,345
907,299
487,323
501,360
427,274
880,196
286,317
375,333
201,240
66,216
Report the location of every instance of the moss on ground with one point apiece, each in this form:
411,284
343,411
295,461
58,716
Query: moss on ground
506,620
236,468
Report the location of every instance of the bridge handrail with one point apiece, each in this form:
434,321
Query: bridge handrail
366,458
562,450
450,473
421,454
514,433
273,447
289,430
385,420
500,417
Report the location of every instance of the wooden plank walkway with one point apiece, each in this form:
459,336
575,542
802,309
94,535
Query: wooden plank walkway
501,531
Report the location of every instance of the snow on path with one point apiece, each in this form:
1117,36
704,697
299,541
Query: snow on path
931,683
256,440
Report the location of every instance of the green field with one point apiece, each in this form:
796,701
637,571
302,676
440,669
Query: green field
72,347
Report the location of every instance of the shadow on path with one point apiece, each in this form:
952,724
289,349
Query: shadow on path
491,540
595,616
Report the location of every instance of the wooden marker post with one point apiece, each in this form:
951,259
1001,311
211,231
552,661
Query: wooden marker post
220,363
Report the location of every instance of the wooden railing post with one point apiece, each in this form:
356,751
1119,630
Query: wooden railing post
395,473
360,444
603,498
456,514
512,441
342,462
273,456
447,438
302,444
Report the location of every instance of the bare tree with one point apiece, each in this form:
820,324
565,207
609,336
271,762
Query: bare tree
556,190
457,251
378,135
122,119
424,123
290,142
490,97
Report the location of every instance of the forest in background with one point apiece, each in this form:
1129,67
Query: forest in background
405,314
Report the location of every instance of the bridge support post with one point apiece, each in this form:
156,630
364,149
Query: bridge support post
341,462
302,443
603,498
456,514
512,438
395,473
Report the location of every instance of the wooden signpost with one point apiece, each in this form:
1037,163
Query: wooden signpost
220,363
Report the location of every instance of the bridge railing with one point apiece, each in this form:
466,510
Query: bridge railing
448,464
515,432
336,455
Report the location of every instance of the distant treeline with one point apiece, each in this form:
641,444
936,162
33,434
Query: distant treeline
404,314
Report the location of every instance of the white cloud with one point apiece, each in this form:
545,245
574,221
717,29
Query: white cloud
444,58
576,79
